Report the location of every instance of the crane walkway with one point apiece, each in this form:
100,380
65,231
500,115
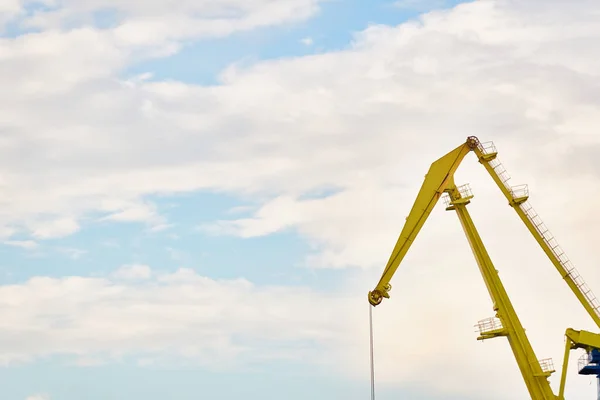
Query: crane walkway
520,195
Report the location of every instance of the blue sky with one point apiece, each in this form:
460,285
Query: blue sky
331,29
180,236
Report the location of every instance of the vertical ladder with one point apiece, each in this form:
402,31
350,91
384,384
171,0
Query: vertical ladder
517,197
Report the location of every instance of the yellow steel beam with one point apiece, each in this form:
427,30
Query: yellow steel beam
440,174
535,378
517,204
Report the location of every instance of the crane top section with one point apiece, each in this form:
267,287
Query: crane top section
438,178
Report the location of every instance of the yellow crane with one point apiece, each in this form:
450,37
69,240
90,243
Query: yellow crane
439,182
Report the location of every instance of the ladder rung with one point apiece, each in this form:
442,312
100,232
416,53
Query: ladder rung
549,240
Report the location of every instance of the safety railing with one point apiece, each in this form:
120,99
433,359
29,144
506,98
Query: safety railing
488,325
547,365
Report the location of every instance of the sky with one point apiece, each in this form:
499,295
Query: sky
197,195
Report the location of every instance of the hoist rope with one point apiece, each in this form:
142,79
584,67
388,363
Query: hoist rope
372,361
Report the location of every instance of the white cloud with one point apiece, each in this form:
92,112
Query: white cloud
172,316
164,137
38,397
307,41
160,227
142,23
176,255
72,253
133,271
25,244
420,5
139,211
55,228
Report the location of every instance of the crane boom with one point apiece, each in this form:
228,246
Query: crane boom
437,179
517,198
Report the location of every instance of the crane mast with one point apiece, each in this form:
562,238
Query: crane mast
439,182
534,375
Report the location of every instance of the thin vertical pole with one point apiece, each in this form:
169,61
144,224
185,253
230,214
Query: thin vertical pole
372,357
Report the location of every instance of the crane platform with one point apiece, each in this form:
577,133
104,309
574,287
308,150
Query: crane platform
589,364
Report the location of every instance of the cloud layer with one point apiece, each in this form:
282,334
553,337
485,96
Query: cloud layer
160,316
398,98
157,318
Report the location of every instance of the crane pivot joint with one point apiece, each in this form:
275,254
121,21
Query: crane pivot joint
377,295
472,142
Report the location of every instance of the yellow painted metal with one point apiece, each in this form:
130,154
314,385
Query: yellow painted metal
437,179
517,201
563,374
576,340
535,378
440,180
583,339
